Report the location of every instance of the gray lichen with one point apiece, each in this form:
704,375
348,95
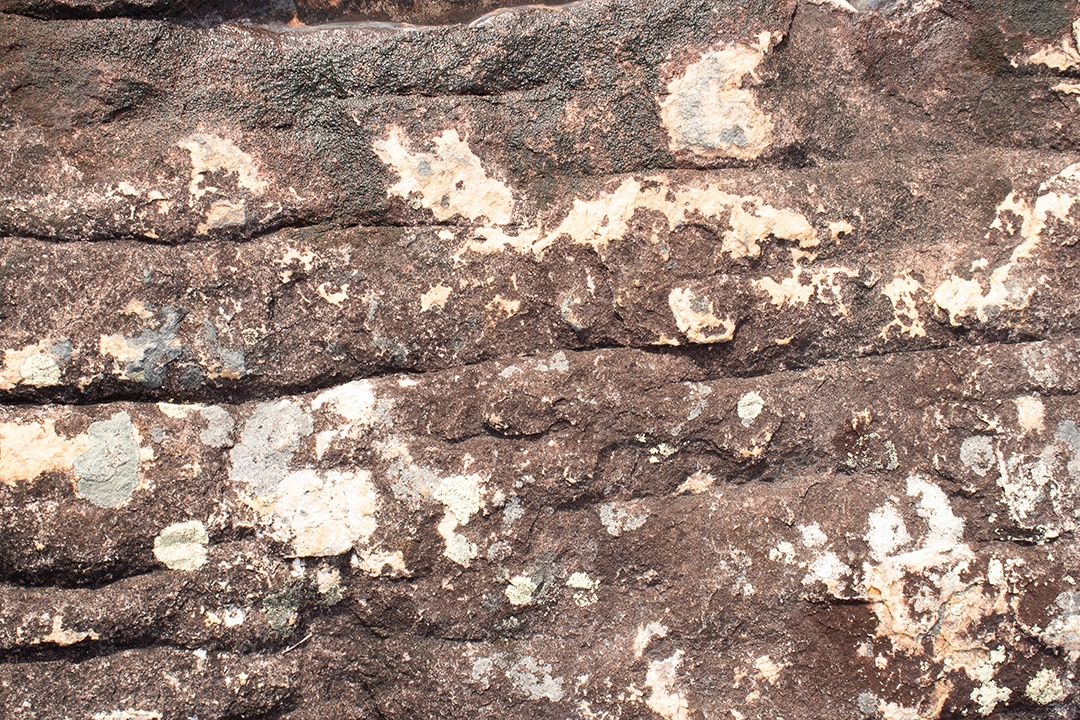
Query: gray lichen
159,348
219,427
267,443
109,471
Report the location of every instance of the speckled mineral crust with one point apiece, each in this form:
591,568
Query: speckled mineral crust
619,359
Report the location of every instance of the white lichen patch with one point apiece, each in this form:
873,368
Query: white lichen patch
923,597
783,552
435,298
36,365
584,588
887,532
984,298
306,260
219,426
229,617
1030,413
978,455
556,363
520,590
527,676
901,292
618,519
812,535
450,181
1045,687
461,497
212,154
333,297
322,512
696,318
709,113
665,698
28,450
827,568
645,634
182,546
743,222
354,402
1041,493
178,411
534,679
749,407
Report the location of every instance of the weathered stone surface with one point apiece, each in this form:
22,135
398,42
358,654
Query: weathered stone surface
606,360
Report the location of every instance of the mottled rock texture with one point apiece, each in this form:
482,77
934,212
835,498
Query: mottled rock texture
620,359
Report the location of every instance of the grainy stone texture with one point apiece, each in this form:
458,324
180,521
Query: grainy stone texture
621,359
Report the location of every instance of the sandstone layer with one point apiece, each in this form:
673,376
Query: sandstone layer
610,360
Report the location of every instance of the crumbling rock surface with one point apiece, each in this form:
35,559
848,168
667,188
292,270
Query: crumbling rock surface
618,359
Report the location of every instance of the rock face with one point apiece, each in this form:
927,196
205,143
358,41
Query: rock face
626,359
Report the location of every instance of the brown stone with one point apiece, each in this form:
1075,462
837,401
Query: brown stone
654,359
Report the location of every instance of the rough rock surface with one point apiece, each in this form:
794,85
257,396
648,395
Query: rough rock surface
620,359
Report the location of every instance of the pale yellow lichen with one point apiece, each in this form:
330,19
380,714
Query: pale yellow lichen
960,297
435,298
585,588
901,292
792,291
182,546
1045,687
696,483
520,590
28,450
211,154
375,562
1029,413
505,307
119,348
709,113
449,182
63,637
696,317
222,214
744,221
462,497
665,698
33,365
